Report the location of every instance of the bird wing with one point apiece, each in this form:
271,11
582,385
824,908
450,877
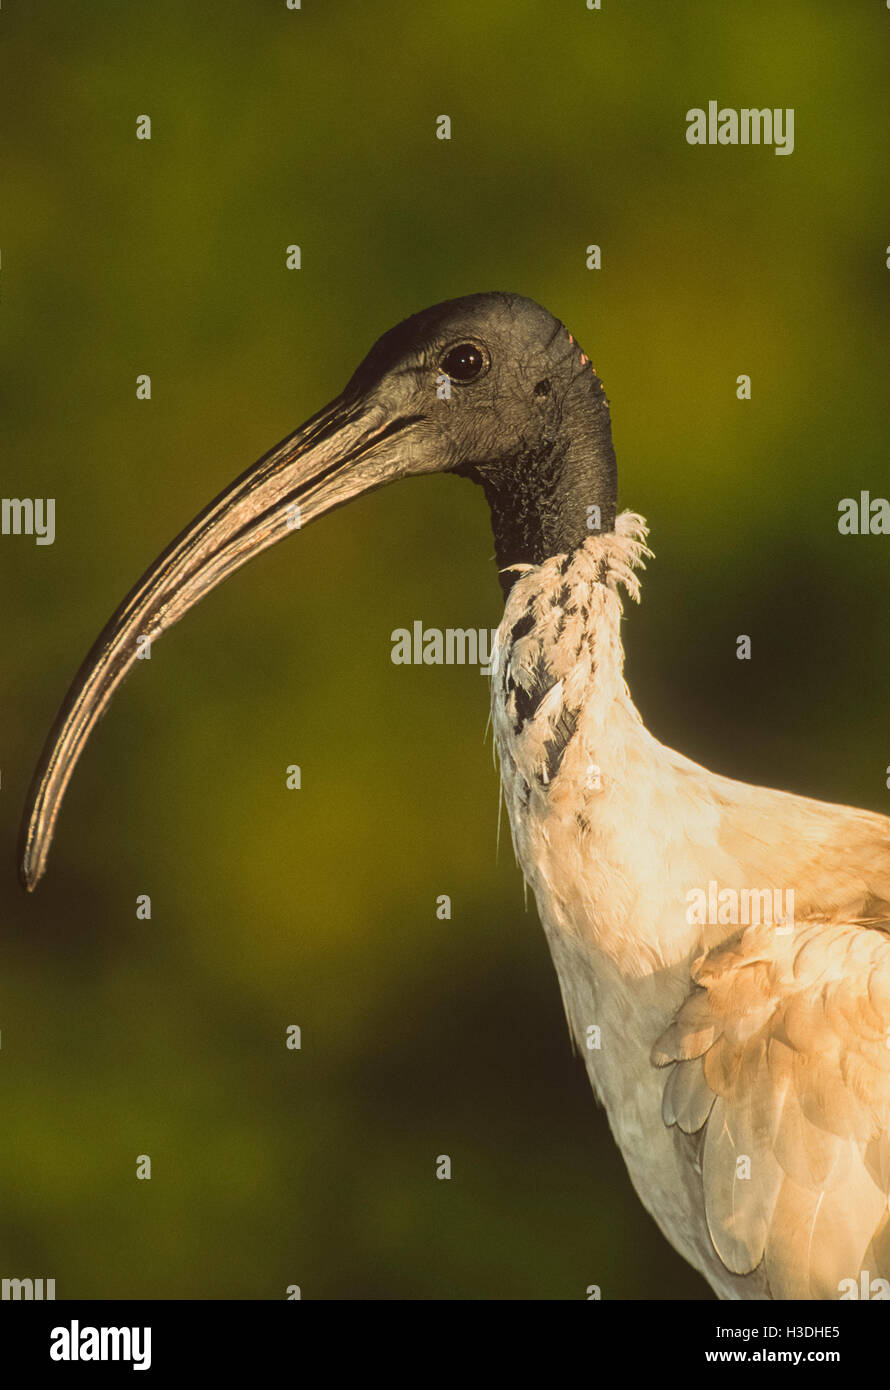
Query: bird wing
779,1066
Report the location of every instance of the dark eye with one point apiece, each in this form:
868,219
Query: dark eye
464,362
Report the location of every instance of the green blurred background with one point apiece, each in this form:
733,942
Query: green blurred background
420,1037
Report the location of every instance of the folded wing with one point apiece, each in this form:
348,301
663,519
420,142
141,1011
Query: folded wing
779,1064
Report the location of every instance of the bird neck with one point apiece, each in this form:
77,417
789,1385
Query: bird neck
553,497
560,703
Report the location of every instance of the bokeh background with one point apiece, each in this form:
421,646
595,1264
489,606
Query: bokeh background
269,907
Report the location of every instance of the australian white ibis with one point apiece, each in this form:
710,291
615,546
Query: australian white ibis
723,950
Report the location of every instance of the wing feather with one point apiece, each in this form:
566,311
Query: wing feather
779,1060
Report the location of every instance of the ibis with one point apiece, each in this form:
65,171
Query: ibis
723,950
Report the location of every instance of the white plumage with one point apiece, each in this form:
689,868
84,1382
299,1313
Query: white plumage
745,1070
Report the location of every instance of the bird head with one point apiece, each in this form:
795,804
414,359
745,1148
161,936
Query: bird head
490,387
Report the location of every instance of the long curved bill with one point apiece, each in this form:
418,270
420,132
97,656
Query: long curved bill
349,448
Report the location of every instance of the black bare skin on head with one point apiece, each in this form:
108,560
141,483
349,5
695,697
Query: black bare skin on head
527,418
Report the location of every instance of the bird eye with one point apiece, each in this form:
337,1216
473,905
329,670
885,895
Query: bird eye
464,362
